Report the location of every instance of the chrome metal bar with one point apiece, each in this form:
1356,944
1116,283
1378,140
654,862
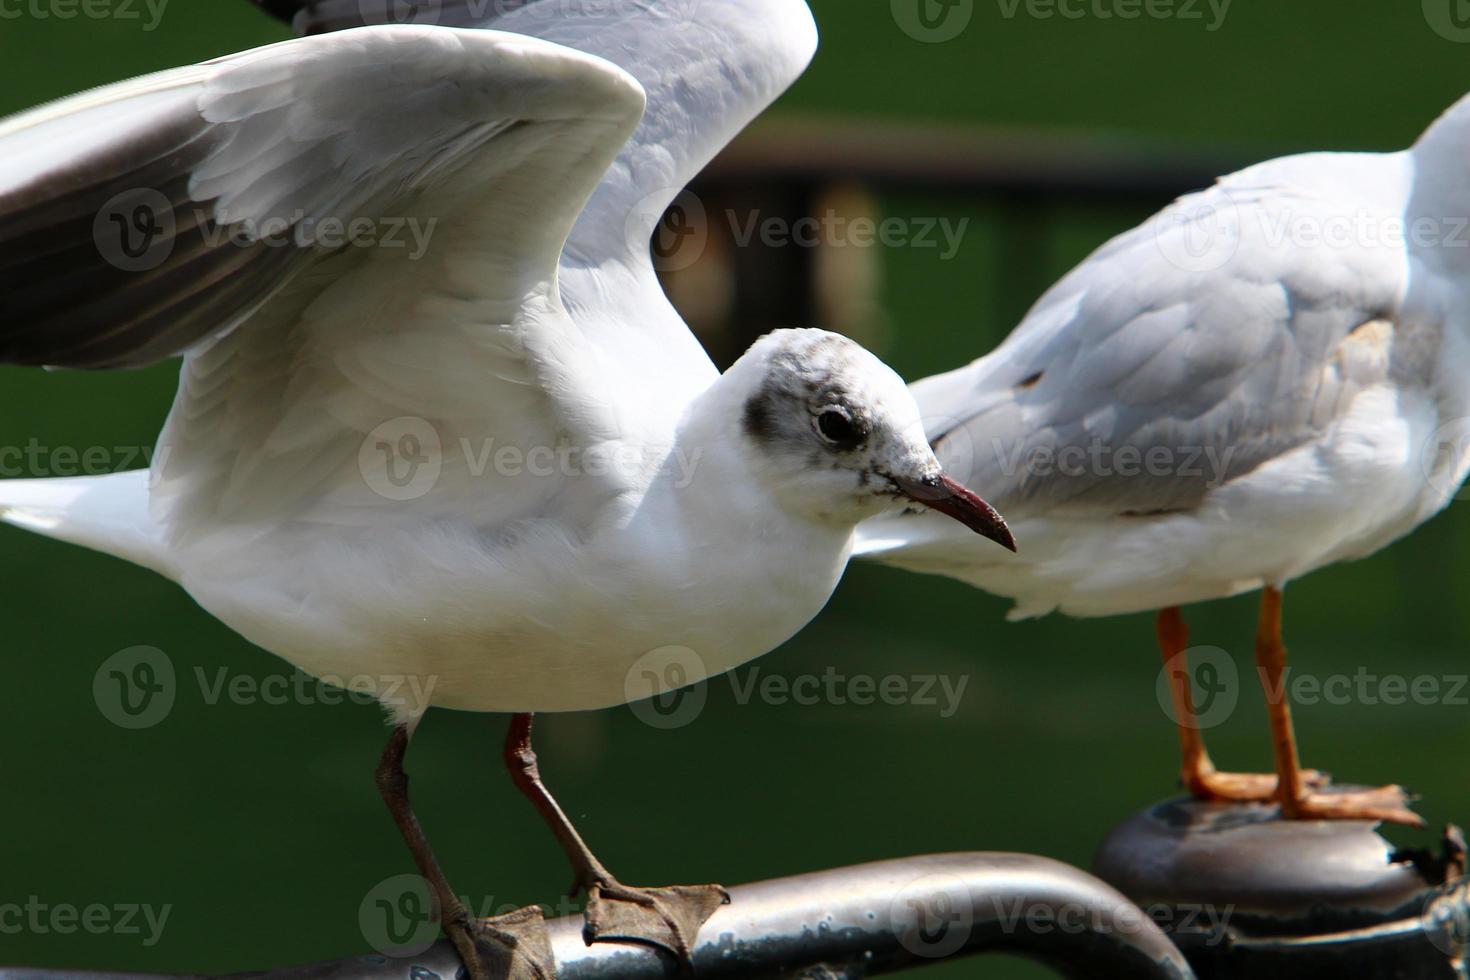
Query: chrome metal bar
864,920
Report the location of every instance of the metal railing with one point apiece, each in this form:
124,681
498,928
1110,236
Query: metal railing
859,921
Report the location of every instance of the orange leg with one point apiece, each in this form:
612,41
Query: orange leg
1298,798
1197,772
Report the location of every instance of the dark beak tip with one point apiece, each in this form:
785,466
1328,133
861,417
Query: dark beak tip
955,500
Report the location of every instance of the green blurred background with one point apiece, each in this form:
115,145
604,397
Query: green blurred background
260,826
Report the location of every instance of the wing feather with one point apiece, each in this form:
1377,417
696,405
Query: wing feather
709,68
1213,368
301,343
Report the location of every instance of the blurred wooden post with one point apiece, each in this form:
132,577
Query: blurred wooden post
783,168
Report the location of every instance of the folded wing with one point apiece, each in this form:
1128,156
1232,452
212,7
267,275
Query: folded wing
1189,351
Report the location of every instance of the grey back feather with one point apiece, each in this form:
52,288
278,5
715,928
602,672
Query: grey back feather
1152,373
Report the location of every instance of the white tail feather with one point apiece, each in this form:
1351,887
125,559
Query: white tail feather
105,513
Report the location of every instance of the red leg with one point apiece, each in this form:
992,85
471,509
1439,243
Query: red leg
669,917
1197,772
515,946
1298,799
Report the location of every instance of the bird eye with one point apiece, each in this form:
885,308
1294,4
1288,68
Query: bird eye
836,426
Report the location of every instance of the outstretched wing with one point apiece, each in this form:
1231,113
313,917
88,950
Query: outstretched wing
343,232
709,67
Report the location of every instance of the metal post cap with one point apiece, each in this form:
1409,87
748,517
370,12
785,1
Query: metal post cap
1246,894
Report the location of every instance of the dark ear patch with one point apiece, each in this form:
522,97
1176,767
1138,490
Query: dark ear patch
758,420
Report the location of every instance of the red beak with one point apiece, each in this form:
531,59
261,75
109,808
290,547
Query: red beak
954,499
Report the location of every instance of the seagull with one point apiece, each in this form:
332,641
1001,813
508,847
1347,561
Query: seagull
332,481
1267,377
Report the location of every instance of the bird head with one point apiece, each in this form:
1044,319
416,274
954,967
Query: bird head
838,436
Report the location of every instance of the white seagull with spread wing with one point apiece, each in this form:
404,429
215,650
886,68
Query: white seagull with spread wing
322,483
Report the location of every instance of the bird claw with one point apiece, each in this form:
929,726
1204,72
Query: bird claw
514,946
668,918
1389,804
1245,787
